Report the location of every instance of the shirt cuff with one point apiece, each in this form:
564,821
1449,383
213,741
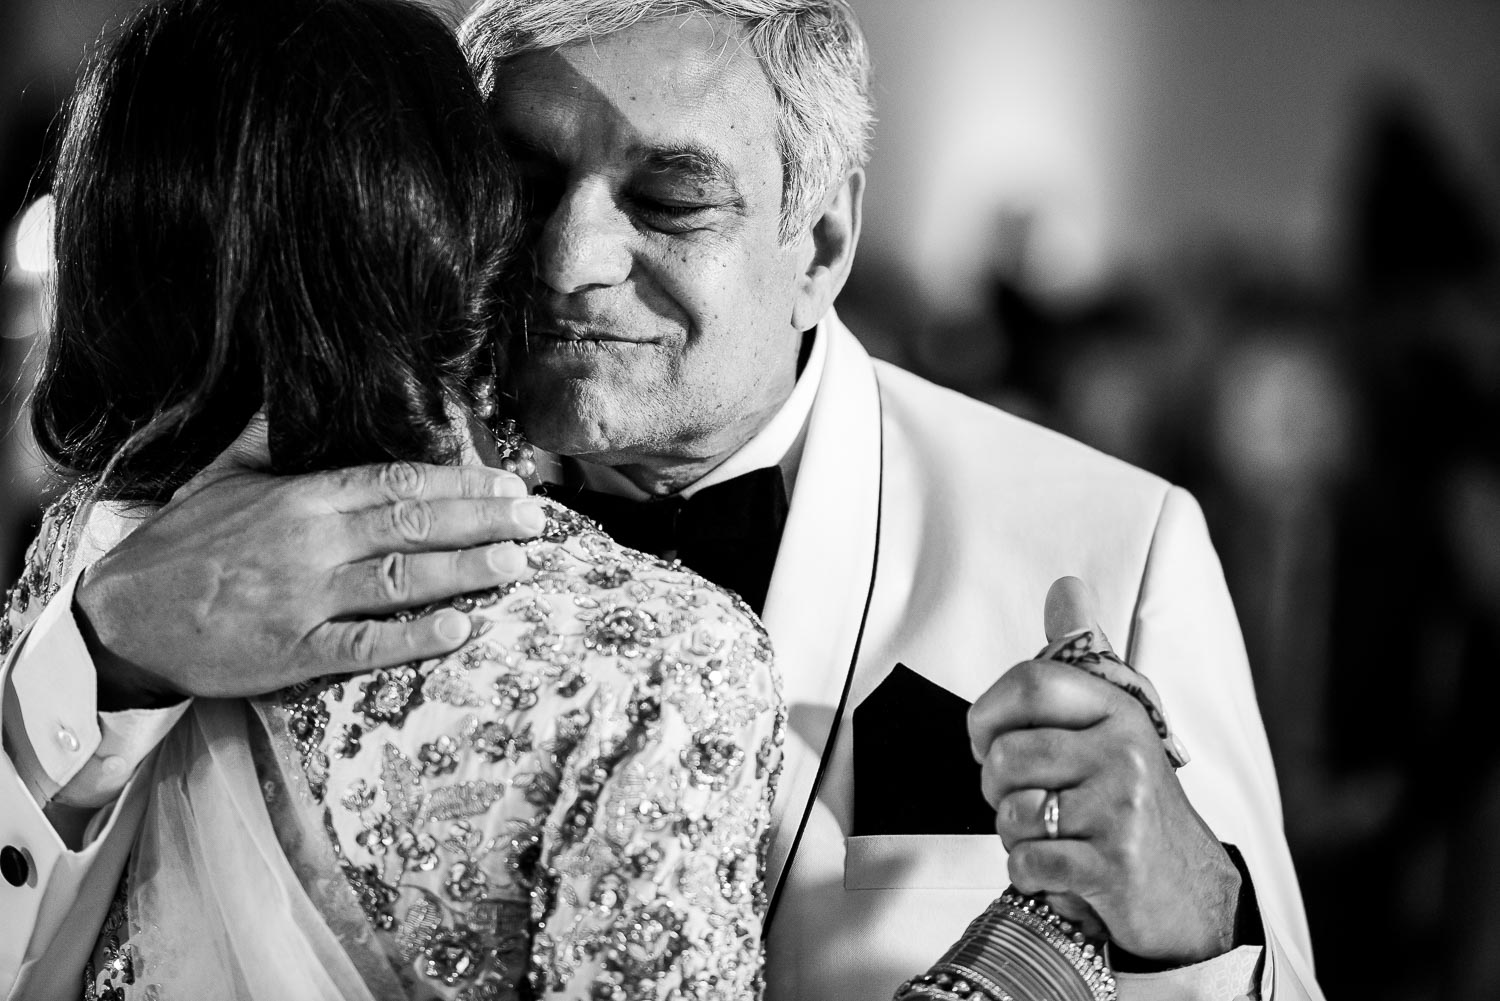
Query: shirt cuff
1234,976
127,737
56,694
78,757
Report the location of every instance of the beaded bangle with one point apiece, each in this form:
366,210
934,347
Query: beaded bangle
1019,949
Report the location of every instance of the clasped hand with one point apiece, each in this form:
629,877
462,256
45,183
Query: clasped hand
1130,858
247,582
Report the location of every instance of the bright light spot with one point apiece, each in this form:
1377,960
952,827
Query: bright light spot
33,246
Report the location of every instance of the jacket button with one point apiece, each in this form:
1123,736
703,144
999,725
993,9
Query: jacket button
67,739
14,865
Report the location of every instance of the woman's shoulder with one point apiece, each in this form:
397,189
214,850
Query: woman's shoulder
628,613
616,571
592,623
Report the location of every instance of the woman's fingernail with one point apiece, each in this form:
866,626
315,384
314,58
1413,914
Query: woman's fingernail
452,626
506,559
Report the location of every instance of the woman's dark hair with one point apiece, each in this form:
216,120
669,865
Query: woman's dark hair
289,204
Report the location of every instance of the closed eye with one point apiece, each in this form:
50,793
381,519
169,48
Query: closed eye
672,216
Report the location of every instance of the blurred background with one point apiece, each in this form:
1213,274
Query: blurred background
1252,247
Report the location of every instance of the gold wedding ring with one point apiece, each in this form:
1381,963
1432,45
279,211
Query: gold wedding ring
1051,815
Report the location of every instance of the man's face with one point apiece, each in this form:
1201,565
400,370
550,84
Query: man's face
663,328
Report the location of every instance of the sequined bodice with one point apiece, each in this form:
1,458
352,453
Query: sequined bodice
575,804
593,767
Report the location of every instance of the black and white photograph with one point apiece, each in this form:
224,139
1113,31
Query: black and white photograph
749,500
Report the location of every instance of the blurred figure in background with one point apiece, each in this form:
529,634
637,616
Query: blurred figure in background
1345,441
1417,610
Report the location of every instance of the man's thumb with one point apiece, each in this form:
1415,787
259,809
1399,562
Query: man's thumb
1070,609
250,451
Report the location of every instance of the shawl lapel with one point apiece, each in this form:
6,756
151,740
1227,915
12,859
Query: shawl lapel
821,586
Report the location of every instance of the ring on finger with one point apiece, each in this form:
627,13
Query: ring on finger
1051,815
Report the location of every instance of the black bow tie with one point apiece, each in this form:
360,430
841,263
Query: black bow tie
728,532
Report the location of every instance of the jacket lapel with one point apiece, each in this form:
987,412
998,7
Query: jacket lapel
820,589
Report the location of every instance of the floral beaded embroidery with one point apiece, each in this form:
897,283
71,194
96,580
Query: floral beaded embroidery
577,801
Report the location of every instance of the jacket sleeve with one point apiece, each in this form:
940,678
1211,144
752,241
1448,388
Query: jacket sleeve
1186,639
63,831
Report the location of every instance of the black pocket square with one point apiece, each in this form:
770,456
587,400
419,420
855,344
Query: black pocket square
913,773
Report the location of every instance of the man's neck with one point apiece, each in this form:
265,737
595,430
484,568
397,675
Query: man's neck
665,474
662,478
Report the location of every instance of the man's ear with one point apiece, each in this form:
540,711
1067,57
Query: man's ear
832,239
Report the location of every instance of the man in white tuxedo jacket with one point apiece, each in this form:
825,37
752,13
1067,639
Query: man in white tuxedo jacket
697,183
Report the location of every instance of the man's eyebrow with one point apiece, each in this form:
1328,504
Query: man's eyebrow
697,164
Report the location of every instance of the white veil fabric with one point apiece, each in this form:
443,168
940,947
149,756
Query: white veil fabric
217,908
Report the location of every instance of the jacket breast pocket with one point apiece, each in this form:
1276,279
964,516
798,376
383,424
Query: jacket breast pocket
925,861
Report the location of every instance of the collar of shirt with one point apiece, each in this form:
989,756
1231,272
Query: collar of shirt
779,442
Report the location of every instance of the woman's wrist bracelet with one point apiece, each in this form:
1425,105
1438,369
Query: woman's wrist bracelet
1019,949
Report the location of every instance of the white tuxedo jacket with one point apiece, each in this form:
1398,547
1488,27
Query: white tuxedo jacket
925,530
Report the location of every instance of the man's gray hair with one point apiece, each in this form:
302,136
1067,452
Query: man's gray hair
812,51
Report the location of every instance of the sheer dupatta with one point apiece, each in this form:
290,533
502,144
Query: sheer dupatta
224,900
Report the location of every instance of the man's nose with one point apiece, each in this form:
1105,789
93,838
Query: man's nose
585,242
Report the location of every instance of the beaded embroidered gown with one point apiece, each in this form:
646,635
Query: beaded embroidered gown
574,804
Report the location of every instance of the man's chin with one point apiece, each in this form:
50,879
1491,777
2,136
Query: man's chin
561,437
565,417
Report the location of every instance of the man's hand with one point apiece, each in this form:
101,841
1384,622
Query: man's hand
1130,852
248,582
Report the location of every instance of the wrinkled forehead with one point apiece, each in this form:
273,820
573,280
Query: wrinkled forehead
686,82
